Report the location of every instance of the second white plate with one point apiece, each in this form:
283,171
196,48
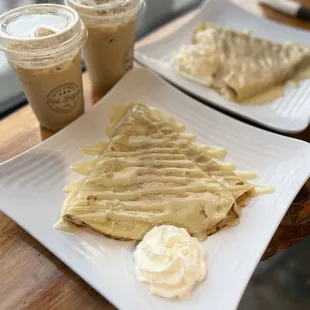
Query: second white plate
289,114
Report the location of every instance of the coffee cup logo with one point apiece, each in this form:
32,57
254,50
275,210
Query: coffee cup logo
64,98
128,59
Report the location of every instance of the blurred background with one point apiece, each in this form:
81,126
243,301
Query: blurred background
281,282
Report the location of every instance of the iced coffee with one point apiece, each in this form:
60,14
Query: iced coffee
43,46
111,29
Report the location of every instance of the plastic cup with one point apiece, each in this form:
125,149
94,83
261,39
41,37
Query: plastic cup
43,44
111,29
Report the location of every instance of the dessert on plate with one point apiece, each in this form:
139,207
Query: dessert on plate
239,66
150,173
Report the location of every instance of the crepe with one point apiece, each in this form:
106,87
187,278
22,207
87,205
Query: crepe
207,158
236,64
221,171
148,175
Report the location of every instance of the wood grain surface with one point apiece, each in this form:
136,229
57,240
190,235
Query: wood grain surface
33,278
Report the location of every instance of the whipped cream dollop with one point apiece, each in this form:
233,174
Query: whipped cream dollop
170,261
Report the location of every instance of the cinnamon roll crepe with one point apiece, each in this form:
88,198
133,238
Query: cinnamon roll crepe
150,173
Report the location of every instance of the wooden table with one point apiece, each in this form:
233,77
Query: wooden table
33,278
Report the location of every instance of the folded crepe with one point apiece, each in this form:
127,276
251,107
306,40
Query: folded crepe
221,171
148,174
237,64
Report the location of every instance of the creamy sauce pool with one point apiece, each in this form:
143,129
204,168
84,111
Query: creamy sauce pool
278,91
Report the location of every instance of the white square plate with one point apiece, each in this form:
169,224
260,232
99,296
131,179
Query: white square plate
290,113
31,194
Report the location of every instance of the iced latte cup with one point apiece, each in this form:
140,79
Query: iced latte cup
111,26
43,46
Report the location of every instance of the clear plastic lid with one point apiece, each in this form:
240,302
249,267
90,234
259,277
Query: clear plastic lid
36,31
110,11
